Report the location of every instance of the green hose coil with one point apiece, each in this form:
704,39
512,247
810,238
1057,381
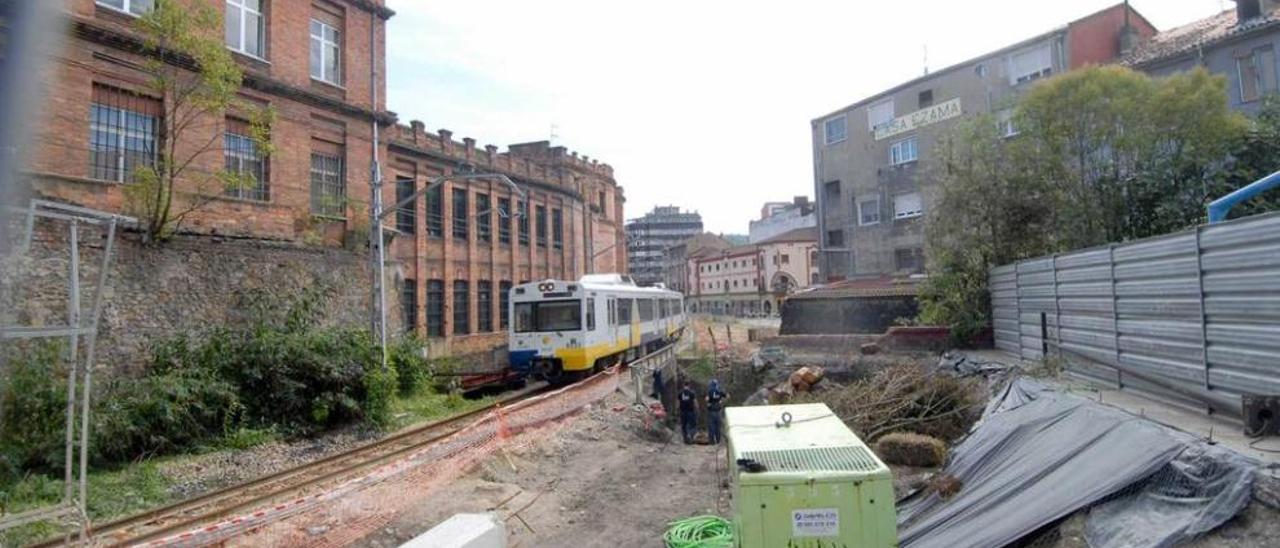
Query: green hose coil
699,532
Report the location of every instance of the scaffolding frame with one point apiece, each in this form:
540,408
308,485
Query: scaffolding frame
80,329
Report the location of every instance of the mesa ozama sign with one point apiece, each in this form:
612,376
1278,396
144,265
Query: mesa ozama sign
920,118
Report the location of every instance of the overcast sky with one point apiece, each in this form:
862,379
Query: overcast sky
703,104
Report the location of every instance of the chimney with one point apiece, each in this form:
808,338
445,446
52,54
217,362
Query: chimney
1129,36
1249,9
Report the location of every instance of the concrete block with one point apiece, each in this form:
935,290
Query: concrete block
463,531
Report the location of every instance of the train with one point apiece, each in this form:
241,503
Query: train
561,331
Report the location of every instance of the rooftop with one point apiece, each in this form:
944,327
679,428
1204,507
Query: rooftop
806,234
861,288
1182,40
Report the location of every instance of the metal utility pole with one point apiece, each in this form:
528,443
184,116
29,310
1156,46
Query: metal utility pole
376,253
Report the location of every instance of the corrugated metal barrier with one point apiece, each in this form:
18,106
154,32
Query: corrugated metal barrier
1199,309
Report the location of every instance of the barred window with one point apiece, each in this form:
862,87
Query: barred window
435,308
245,161
406,215
435,212
524,223
542,225
461,307
460,213
124,133
328,185
504,303
484,219
504,221
557,228
484,306
409,305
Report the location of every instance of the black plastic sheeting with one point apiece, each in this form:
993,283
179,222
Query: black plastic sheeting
1039,455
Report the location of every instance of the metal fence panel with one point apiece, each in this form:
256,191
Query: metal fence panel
1199,309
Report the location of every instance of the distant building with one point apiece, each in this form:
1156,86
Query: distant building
1239,43
873,158
753,279
675,270
650,236
779,217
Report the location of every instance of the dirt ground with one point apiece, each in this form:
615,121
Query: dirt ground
598,480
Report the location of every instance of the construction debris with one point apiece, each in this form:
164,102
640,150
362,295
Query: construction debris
906,397
910,449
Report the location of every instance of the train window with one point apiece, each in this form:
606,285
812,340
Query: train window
591,314
549,316
662,308
611,307
646,309
624,310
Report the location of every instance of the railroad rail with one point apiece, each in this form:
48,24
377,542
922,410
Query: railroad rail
291,482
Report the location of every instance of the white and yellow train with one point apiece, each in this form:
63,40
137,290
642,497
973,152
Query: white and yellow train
563,330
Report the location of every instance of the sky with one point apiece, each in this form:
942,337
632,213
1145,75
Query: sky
701,104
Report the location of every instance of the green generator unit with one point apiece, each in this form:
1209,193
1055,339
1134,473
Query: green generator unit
801,478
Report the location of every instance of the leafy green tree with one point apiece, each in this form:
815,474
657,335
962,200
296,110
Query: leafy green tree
1104,154
190,69
1257,156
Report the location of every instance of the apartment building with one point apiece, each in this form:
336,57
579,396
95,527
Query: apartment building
1238,43
675,269
311,62
649,237
780,217
873,158
753,279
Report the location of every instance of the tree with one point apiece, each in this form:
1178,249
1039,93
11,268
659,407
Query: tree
190,69
1104,154
1257,156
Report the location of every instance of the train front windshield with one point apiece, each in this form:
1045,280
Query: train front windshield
548,316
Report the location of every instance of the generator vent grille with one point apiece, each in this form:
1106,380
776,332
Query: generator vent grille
816,459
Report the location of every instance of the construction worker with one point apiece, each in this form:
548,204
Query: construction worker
715,404
688,412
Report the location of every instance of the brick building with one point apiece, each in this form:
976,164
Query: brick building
311,63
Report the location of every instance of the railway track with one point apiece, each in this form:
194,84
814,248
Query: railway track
292,482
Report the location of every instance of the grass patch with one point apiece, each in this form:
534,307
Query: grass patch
428,405
112,494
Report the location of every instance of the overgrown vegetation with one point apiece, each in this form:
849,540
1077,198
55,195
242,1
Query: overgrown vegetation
278,373
1102,155
904,398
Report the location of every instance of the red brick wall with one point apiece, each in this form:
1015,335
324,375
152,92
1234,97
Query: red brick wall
1095,40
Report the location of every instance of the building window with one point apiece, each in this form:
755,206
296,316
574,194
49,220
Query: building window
1257,73
911,260
903,151
542,225
1030,65
326,52
406,215
906,206
435,211
835,130
600,200
461,307
435,308
245,27
484,219
484,307
786,259
124,133
1005,123
135,7
557,228
460,213
504,221
328,192
245,162
926,98
409,305
879,114
831,189
504,304
835,238
813,257
523,221
869,211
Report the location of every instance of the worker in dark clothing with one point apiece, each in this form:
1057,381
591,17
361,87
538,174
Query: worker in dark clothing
657,384
688,412
715,404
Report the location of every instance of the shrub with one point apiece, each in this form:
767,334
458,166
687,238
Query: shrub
35,401
163,413
413,370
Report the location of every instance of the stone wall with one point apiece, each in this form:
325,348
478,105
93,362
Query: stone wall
188,284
